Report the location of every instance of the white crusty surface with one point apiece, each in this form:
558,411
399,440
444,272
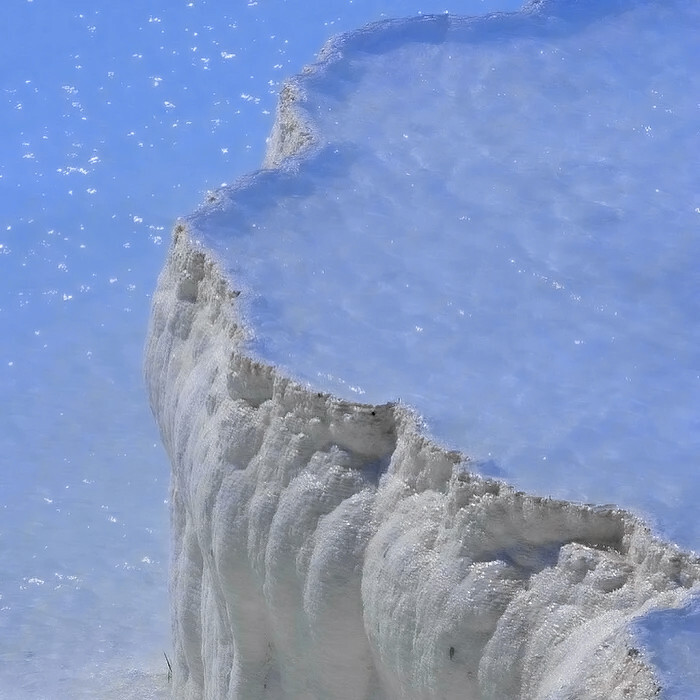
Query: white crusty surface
326,550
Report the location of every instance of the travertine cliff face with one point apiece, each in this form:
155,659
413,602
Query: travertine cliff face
324,549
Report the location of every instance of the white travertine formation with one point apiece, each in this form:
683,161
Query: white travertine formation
327,550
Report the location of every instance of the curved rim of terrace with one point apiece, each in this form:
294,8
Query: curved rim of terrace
296,139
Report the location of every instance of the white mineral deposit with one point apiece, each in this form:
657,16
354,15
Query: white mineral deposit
402,371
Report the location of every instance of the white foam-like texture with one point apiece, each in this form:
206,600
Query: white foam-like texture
327,549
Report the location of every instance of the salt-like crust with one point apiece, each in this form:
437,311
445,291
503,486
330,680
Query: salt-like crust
325,549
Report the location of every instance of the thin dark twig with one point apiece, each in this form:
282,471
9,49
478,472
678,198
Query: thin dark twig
170,667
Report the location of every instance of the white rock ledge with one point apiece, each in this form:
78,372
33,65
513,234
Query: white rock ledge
324,549
327,550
